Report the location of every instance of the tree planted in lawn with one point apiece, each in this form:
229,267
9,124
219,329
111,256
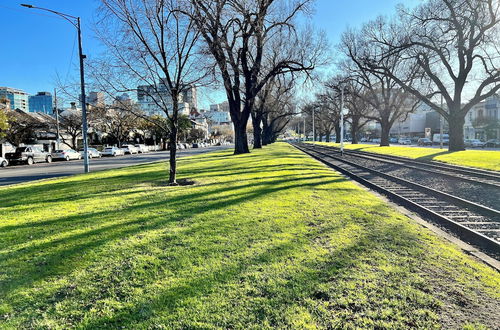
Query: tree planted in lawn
388,100
455,44
153,49
238,34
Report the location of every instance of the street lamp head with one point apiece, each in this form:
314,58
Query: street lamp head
26,5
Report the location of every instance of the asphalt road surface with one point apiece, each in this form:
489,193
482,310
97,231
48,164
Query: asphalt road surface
24,173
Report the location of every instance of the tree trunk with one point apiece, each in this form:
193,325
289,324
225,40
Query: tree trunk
172,179
327,137
384,135
354,130
456,131
337,133
240,137
257,130
265,131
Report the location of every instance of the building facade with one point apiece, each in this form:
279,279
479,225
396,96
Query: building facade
483,120
18,98
151,97
41,103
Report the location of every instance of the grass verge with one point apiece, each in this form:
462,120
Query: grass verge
485,159
263,240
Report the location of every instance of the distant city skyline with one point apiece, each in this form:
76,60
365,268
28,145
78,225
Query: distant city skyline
43,49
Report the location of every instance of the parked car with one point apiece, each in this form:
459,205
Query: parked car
3,162
393,140
141,148
424,142
112,152
404,141
474,143
28,155
436,138
376,140
195,145
180,146
130,149
66,154
493,143
93,153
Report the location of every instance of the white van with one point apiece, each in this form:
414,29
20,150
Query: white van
436,138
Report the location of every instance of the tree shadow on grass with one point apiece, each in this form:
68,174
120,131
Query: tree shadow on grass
300,285
56,256
430,158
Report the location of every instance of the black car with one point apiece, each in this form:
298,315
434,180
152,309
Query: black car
28,155
424,142
493,143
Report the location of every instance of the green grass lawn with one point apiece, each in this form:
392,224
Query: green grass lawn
268,239
485,159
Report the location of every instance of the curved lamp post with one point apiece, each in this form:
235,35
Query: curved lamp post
75,21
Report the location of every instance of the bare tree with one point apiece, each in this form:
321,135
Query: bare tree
119,124
71,125
354,101
237,33
152,44
381,91
456,46
278,108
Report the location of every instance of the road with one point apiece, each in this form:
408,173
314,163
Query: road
24,173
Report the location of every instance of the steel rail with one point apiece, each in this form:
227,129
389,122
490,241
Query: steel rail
419,166
480,173
465,233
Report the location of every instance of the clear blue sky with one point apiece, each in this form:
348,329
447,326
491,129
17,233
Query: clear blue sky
37,46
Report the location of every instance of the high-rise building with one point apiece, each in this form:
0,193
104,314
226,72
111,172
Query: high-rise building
41,102
18,98
151,97
95,99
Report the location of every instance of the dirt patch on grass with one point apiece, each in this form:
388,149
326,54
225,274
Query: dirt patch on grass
463,306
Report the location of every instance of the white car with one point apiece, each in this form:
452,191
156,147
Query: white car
142,148
66,154
112,152
404,141
130,149
475,143
93,153
3,162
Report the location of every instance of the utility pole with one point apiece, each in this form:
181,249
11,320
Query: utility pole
86,168
57,119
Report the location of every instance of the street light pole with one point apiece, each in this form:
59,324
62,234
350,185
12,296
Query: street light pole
342,121
77,25
441,125
314,127
305,135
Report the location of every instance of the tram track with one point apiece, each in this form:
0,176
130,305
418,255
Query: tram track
474,223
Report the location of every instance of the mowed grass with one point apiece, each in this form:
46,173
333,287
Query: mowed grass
263,240
486,159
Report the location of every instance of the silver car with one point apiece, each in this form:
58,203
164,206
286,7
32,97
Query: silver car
66,154
93,153
112,152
